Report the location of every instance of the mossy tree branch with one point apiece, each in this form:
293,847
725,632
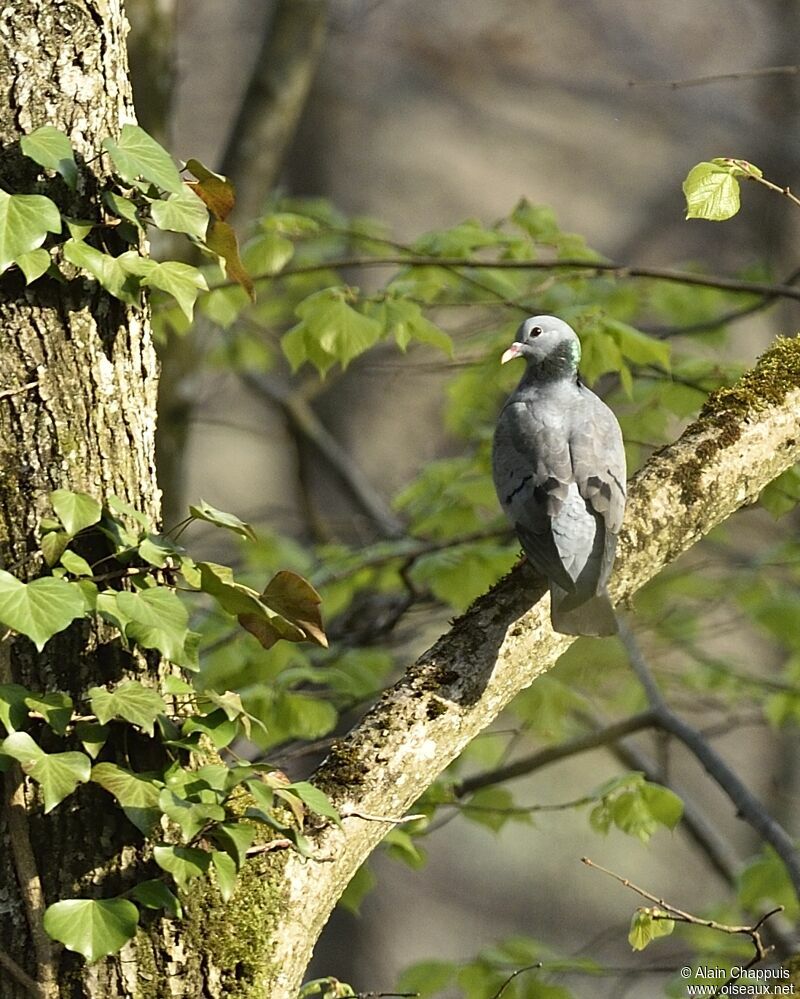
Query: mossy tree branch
744,437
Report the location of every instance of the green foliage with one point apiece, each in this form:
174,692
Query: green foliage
93,928
50,148
58,774
648,925
712,189
635,806
137,155
25,221
39,609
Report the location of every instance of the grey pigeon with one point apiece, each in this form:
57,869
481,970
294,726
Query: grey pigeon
559,471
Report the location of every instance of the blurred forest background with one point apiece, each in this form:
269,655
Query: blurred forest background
420,116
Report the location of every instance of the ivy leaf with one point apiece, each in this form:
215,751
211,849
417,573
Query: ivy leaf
130,701
181,212
214,189
315,800
25,220
137,796
75,565
120,507
92,927
13,710
217,726
235,839
57,773
56,708
53,545
39,609
225,871
647,926
51,148
33,264
115,274
295,598
183,862
156,619
204,511
221,240
182,281
137,154
191,816
155,895
76,511
123,208
712,192
92,737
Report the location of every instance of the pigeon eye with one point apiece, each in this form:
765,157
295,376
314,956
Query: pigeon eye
536,330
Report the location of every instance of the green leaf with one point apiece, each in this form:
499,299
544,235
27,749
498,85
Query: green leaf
115,274
225,871
79,229
156,619
56,708
76,511
235,839
764,883
25,220
120,507
268,253
137,795
176,685
53,545
182,281
427,978
331,330
190,816
33,264
123,208
155,895
75,564
217,726
665,806
13,710
358,887
130,701
137,154
91,736
51,148
646,927
315,800
57,773
183,862
39,609
204,511
712,192
783,493
181,212
405,321
490,807
92,927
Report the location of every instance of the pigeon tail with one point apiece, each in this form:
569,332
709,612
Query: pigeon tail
594,617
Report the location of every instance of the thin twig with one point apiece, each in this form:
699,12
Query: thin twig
16,391
30,885
605,267
700,81
534,761
24,979
389,819
511,977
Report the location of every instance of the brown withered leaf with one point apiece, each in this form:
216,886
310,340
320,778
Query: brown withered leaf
221,239
217,191
294,598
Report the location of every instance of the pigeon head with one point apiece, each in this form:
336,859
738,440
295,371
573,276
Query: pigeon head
546,342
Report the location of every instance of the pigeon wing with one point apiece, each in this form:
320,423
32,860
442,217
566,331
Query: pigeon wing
532,472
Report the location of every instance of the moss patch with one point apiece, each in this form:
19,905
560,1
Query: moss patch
776,373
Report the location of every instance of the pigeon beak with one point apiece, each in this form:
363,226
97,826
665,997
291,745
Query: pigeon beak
515,350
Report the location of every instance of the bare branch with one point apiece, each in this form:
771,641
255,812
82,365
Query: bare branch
701,81
748,807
